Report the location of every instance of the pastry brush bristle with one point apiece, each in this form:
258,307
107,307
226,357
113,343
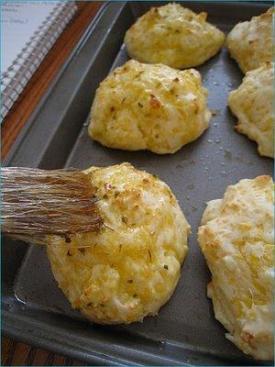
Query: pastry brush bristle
37,203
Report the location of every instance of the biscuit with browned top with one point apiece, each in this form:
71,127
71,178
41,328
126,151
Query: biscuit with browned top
130,268
252,104
173,35
154,107
237,239
250,43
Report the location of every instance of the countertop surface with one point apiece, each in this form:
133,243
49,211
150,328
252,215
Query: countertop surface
42,78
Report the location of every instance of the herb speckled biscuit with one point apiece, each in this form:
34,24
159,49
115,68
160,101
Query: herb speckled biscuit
130,268
237,239
250,43
173,35
252,104
154,107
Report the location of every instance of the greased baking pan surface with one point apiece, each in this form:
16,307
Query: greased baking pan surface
185,331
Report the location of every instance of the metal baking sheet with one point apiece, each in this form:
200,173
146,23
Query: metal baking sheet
185,331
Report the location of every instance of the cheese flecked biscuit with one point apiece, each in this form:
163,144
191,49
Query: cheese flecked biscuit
173,35
130,268
153,107
237,239
250,43
252,104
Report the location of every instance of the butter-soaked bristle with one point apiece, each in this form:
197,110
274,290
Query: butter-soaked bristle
37,203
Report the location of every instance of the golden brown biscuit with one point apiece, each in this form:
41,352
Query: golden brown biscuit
236,237
154,107
250,43
173,35
252,104
131,267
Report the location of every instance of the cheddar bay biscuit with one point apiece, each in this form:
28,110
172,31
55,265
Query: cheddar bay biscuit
252,105
130,268
236,237
250,43
173,35
153,107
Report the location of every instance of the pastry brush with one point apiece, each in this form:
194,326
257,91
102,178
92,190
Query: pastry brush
37,203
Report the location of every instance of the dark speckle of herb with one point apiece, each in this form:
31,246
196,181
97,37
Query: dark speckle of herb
165,267
135,295
130,280
67,238
140,104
